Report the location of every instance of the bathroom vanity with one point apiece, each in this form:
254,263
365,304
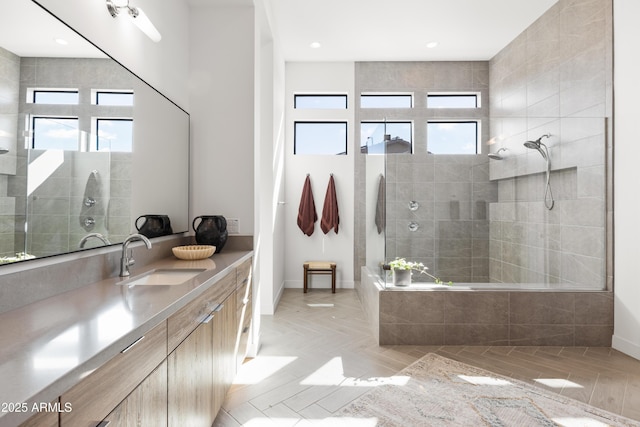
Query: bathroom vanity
115,354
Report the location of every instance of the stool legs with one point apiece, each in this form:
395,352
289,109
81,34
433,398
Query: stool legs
333,279
306,273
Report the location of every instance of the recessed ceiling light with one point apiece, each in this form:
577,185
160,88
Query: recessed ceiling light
315,45
431,45
61,41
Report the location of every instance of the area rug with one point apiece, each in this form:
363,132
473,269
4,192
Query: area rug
443,392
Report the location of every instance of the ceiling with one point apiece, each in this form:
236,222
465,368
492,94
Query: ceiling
399,30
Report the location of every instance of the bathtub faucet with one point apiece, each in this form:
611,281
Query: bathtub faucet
126,259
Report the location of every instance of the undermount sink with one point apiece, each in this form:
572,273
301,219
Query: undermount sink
164,277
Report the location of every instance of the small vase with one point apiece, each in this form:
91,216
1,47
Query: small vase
401,277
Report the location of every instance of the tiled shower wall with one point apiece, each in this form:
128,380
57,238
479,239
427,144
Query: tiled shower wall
9,89
53,209
453,191
556,78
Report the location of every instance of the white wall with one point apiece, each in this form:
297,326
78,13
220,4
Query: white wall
319,78
269,175
626,336
221,83
163,65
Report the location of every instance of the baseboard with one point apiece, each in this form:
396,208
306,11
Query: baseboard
626,347
278,297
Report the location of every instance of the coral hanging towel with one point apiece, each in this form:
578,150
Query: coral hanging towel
330,218
307,215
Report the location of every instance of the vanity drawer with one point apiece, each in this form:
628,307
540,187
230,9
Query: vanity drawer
99,393
187,319
243,272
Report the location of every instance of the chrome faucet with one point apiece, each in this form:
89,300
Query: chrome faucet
127,260
99,236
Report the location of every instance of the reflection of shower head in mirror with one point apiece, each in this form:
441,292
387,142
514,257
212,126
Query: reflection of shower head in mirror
3,150
496,155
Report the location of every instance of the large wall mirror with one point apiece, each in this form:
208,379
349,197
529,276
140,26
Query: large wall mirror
86,147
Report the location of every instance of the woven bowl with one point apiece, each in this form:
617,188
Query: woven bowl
191,252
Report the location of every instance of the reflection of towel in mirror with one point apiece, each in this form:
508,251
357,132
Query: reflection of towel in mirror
330,218
307,215
380,206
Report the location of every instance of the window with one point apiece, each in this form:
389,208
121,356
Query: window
55,133
450,100
389,137
452,137
320,138
114,98
114,135
336,102
386,101
55,97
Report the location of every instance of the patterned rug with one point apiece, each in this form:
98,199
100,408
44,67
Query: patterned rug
443,392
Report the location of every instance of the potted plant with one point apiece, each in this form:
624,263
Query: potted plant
401,270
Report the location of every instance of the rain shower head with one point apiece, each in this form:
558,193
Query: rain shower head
3,150
496,155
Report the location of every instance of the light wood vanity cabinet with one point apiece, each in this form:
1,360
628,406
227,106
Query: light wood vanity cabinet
99,393
146,405
244,304
42,419
190,378
177,374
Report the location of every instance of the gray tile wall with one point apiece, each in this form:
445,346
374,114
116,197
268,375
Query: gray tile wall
9,90
489,317
54,208
453,191
554,78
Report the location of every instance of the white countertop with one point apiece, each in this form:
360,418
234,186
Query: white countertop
49,346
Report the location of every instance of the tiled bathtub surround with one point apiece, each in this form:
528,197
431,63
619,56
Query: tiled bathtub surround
486,317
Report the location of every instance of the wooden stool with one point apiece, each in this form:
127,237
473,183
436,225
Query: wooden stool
320,267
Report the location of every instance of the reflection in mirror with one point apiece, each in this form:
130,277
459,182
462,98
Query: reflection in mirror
74,163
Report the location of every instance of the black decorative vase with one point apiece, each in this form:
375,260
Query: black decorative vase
212,230
154,225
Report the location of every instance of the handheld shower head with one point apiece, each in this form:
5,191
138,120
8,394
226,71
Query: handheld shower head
537,145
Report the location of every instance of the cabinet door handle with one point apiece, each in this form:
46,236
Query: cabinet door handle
103,423
129,348
208,318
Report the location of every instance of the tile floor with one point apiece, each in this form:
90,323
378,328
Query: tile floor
318,354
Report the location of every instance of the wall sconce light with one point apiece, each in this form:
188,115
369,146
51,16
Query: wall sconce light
138,17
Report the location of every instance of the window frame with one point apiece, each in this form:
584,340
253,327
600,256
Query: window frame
95,97
475,95
320,95
478,124
386,123
32,94
32,124
320,122
365,95
96,121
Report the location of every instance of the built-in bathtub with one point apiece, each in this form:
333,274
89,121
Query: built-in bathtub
485,314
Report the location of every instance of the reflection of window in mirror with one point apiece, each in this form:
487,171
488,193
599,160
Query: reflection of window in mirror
104,97
65,97
453,137
114,135
386,137
55,133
